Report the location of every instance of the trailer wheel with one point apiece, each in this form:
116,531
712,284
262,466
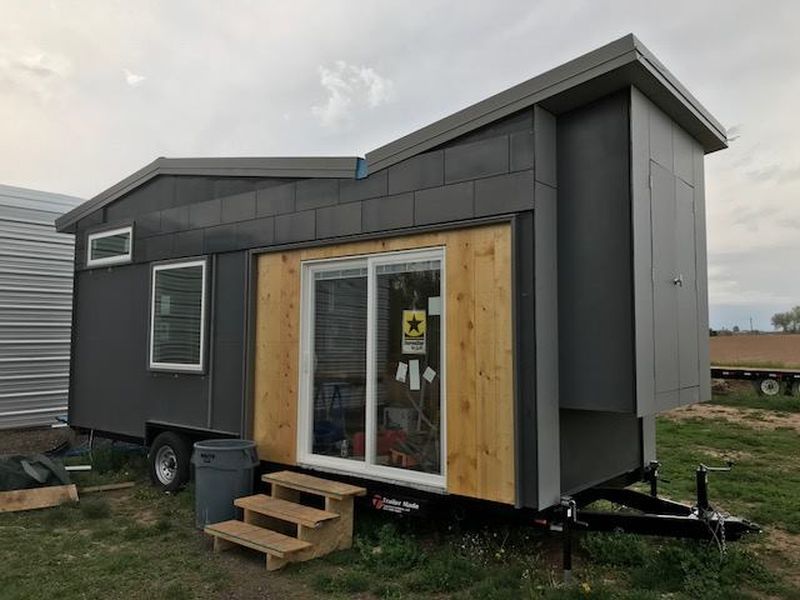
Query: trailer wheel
169,458
769,387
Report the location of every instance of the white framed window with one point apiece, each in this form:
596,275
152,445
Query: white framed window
372,355
111,247
178,316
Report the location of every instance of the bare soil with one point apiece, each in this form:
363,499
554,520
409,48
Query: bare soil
751,417
767,350
32,440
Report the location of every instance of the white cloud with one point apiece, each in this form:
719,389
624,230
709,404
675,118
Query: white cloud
132,79
38,73
350,88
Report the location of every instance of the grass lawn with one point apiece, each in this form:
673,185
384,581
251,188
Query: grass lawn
137,543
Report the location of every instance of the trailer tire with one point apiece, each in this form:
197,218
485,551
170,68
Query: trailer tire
769,387
169,459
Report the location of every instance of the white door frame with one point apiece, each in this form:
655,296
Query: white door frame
305,421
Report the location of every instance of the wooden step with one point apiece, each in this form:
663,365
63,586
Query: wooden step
285,511
270,542
313,485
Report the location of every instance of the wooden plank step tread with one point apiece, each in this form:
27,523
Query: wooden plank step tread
257,538
314,485
285,510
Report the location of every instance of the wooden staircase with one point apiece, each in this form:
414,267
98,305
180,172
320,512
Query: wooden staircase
285,530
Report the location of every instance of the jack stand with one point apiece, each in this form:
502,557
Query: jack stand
569,515
652,477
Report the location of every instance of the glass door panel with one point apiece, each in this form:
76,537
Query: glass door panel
408,326
339,366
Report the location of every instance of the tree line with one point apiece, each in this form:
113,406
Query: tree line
788,321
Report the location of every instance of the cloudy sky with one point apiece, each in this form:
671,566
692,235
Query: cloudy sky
91,91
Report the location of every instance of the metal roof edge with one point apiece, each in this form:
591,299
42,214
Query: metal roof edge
626,51
301,167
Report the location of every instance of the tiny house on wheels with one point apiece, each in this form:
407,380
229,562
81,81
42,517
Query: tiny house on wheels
492,308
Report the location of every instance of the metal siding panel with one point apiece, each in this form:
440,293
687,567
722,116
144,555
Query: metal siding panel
227,378
504,194
335,221
276,200
391,212
175,219
259,232
544,126
360,189
597,446
241,207
219,239
416,173
689,374
205,214
447,203
188,243
547,364
521,158
594,255
665,304
661,140
525,360
113,390
316,193
295,227
147,224
701,274
683,151
642,226
36,265
478,159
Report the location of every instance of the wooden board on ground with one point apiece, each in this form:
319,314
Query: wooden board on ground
108,487
43,497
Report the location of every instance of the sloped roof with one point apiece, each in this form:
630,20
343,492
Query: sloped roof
623,62
318,167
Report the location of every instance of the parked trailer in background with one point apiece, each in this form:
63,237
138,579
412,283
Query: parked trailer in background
35,306
768,382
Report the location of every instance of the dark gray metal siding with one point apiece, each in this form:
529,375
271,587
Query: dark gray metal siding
112,388
594,258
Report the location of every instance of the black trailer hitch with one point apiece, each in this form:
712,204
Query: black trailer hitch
647,514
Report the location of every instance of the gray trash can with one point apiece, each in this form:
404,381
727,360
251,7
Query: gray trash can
223,472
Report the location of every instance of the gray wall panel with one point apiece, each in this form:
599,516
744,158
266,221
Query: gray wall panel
446,203
419,172
597,446
594,256
479,159
504,194
344,219
241,207
391,212
316,193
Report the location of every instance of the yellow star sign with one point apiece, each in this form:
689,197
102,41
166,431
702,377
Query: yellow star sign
414,323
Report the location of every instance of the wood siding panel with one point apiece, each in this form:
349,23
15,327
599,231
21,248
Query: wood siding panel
479,381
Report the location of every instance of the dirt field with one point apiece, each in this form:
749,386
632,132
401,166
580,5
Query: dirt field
766,350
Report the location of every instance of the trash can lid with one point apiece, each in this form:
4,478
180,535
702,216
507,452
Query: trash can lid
224,445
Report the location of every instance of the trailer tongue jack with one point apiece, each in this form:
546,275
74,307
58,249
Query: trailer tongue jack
647,514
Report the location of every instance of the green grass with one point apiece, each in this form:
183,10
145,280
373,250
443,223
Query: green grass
744,396
140,543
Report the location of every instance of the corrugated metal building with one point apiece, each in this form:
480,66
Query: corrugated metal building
35,306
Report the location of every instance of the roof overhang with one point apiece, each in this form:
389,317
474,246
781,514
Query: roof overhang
622,63
290,167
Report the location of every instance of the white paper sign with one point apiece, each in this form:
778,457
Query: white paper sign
429,375
414,366
435,306
402,370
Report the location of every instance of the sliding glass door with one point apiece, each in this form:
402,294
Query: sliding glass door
372,359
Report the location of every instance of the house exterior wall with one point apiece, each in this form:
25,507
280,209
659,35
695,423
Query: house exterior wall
35,307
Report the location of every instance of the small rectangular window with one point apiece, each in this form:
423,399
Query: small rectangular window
177,316
110,247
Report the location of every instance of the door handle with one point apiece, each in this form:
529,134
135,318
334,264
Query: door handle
678,281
